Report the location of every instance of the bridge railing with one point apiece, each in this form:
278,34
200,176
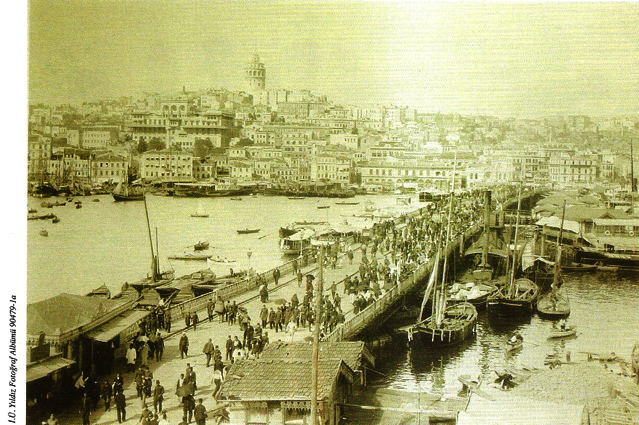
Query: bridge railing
357,323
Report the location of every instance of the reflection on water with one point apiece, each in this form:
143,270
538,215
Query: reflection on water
604,309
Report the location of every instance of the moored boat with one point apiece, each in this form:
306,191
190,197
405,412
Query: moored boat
579,268
201,246
562,333
191,257
123,193
515,343
346,203
200,215
517,301
323,207
55,220
246,231
236,198
296,197
44,232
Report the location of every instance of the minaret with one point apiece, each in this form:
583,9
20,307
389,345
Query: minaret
255,75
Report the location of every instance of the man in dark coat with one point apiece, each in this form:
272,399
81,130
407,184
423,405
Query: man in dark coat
200,413
120,405
158,396
208,351
107,392
159,347
85,409
184,346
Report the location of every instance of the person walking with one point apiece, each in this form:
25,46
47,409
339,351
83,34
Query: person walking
131,356
217,381
229,348
167,320
187,320
107,392
85,409
194,320
184,345
208,351
158,396
120,406
209,309
200,413
159,349
264,315
276,275
220,308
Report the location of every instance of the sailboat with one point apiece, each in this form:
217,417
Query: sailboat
521,294
123,192
447,325
555,305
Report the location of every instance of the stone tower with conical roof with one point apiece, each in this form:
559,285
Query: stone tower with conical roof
255,74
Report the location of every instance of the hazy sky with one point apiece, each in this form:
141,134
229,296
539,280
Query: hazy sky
498,58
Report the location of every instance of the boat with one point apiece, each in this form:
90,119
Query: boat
78,206
579,268
562,333
447,325
246,231
95,200
201,246
323,207
52,204
32,211
296,197
100,292
218,260
515,343
606,268
123,193
236,198
520,295
555,304
55,220
346,203
190,257
41,216
297,242
200,215
43,232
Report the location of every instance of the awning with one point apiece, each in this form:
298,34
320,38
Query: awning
555,222
117,325
47,367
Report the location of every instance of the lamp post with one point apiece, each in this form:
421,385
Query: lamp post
249,253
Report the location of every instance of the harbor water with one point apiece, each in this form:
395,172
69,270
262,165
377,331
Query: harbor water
107,242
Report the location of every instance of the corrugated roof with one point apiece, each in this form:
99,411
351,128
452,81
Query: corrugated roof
273,379
64,312
46,367
118,324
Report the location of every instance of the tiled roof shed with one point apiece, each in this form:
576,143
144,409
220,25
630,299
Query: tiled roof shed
354,353
281,380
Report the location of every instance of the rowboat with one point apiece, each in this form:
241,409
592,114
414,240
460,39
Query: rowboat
512,346
200,215
346,203
246,231
580,268
55,220
191,257
323,207
201,246
296,197
235,198
43,232
563,333
219,260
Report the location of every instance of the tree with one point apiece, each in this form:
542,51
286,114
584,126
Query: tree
202,147
142,146
155,144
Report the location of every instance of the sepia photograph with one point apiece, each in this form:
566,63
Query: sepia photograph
323,213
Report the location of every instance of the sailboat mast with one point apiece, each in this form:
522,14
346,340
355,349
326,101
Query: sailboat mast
633,186
559,243
153,258
512,275
442,303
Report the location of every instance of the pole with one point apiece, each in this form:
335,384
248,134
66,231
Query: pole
512,275
148,227
316,333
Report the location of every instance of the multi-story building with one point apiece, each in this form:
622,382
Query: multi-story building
109,168
38,154
204,169
166,166
240,170
348,140
329,168
566,170
434,173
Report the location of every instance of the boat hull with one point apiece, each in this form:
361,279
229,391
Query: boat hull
459,324
125,198
547,309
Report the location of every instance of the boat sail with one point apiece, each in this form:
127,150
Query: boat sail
446,325
521,293
123,192
555,304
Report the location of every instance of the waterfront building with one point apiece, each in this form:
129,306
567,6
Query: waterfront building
166,166
256,395
109,168
38,155
330,169
435,173
241,171
204,169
